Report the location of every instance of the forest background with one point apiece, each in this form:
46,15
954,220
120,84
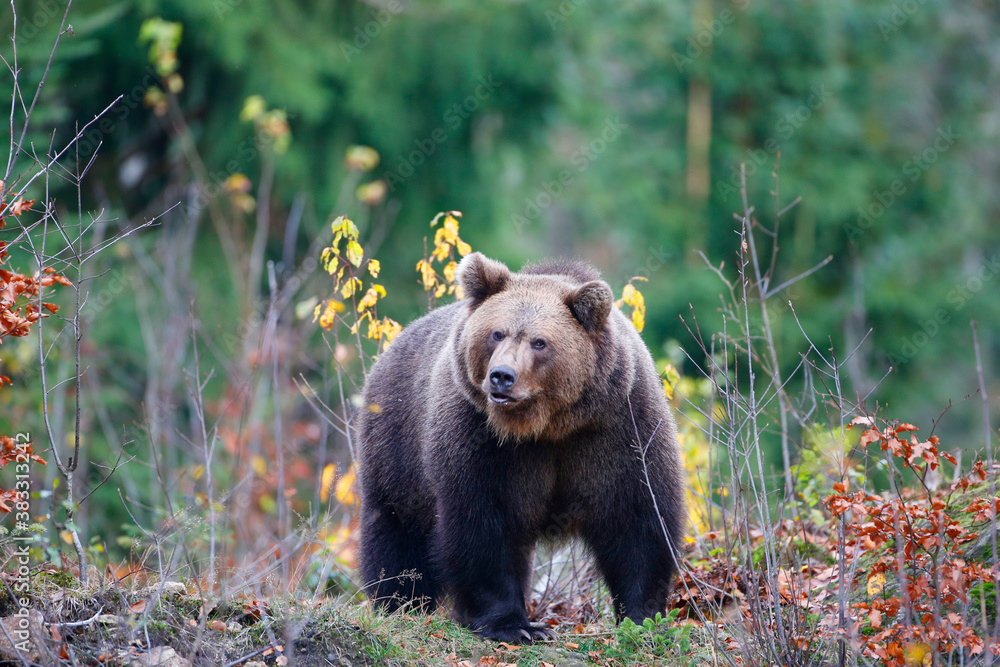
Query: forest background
608,131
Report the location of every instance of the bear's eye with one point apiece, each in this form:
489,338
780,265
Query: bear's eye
497,335
538,344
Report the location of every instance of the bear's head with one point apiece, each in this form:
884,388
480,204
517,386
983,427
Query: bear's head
530,345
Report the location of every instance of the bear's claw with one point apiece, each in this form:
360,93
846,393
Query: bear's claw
520,634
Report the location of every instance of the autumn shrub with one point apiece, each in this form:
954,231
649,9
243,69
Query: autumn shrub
807,562
22,305
919,577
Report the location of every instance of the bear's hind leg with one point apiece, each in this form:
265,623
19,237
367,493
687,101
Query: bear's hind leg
394,563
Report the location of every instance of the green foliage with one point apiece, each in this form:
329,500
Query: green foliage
821,465
546,80
982,597
656,636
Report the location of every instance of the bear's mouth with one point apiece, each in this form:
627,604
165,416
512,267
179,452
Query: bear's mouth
502,399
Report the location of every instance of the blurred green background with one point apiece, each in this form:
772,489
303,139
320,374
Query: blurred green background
605,130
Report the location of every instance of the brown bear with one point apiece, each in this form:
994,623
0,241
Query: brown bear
530,409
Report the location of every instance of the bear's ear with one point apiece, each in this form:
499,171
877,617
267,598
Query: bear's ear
591,304
481,277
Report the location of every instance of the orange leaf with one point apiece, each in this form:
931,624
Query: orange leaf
20,206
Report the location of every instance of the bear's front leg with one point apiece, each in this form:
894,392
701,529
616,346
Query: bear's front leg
487,499
634,555
638,571
485,568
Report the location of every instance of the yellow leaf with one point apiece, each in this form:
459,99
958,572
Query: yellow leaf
329,314
337,226
303,308
390,329
66,536
463,248
350,229
639,319
253,107
370,297
371,193
427,277
268,504
450,229
439,292
238,183
329,473
440,253
361,157
449,271
345,487
919,654
454,214
198,472
876,583
338,538
374,267
668,390
350,287
258,465
354,252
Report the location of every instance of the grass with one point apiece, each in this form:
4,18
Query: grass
106,624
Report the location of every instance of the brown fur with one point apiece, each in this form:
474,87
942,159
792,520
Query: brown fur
461,475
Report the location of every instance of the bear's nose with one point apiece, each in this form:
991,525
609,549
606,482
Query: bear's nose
502,378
